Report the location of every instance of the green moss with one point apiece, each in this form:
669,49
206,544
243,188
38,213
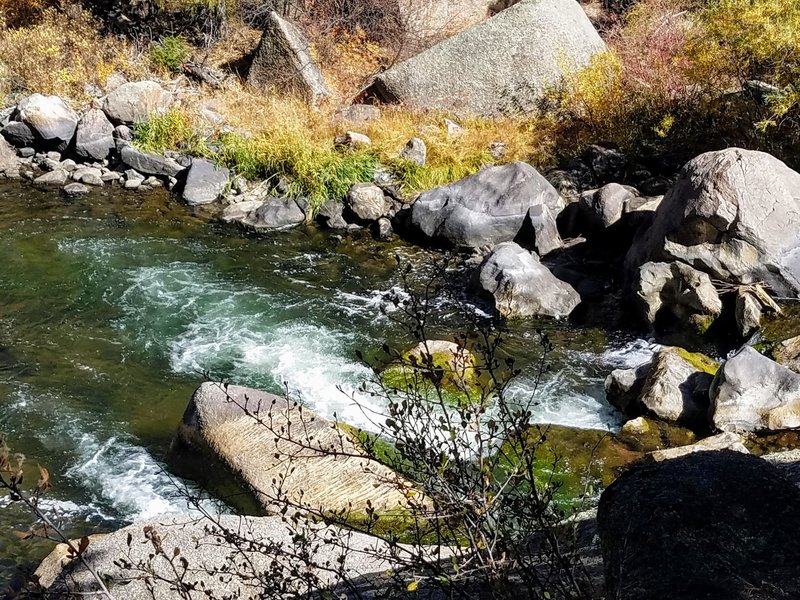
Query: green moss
572,462
373,445
648,435
699,361
702,323
778,328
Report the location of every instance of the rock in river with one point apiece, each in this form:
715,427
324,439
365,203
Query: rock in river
490,207
521,286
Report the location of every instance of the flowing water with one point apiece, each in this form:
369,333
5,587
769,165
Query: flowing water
113,307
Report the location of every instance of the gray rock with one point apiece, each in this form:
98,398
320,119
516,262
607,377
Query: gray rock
239,184
748,313
675,289
132,184
676,390
385,231
26,152
51,120
713,525
283,62
94,139
367,202
136,102
262,215
542,226
572,181
415,151
489,207
205,182
150,164
331,216
623,388
75,190
352,139
454,130
722,441
754,393
733,214
199,543
9,165
68,165
57,178
523,287
134,175
19,134
89,175
605,206
357,113
494,67
787,353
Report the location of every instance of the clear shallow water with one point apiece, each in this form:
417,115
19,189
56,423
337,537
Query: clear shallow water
111,308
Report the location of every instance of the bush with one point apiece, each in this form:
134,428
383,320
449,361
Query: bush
174,130
170,53
60,54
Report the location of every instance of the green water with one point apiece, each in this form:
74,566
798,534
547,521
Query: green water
112,307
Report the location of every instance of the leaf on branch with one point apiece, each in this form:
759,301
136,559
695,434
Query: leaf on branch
412,587
44,480
83,545
23,535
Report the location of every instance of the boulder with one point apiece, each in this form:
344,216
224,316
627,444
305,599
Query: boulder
607,164
733,214
787,353
150,164
712,525
495,67
673,387
9,165
57,178
676,388
262,215
605,206
94,139
330,215
674,293
723,441
754,393
487,208
136,102
415,151
205,182
200,543
623,387
19,134
353,140
521,286
52,122
367,202
748,313
279,448
283,61
357,113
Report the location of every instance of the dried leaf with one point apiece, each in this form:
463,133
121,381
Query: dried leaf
23,535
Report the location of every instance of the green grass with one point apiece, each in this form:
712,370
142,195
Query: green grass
170,53
173,130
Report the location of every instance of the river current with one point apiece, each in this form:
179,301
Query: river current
112,308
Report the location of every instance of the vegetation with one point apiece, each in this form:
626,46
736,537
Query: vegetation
170,53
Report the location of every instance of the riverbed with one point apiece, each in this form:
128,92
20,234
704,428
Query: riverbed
113,308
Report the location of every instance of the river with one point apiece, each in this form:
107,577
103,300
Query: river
113,306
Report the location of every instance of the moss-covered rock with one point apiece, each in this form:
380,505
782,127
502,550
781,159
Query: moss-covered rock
437,367
699,361
646,435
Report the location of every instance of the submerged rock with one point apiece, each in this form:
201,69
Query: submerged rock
521,286
488,208
723,441
715,525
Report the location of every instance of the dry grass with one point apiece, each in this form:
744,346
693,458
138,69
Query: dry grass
61,53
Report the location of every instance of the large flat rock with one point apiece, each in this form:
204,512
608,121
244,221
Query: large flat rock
502,65
285,453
